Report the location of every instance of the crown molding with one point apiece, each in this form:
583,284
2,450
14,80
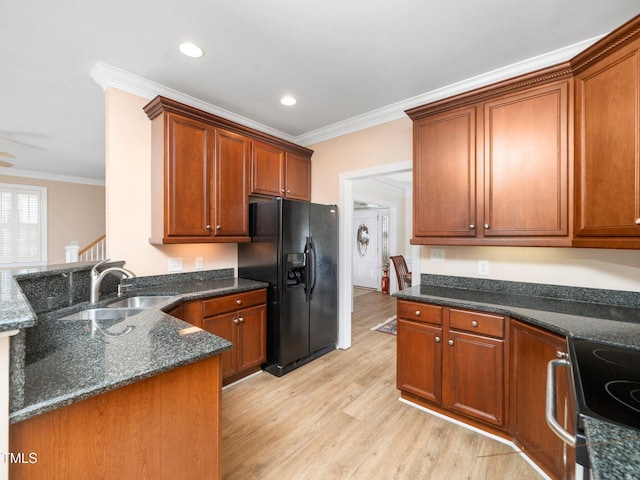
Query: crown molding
396,111
16,172
107,76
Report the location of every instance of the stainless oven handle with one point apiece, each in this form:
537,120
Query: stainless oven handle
550,407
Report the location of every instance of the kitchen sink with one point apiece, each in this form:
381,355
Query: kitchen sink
103,314
140,301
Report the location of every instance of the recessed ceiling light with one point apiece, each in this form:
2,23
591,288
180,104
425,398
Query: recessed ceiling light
288,100
191,50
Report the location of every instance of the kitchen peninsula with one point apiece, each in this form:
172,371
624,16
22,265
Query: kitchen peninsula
83,397
508,325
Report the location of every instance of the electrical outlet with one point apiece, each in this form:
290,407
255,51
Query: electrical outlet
175,264
437,254
483,267
199,263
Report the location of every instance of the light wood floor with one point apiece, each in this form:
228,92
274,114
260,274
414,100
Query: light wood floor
339,417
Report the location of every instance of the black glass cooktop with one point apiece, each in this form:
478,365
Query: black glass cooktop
607,381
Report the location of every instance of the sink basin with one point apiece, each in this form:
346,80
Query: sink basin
141,301
103,314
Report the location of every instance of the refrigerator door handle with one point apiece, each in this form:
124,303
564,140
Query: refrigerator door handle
307,261
312,267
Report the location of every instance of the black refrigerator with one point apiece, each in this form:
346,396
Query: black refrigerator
294,247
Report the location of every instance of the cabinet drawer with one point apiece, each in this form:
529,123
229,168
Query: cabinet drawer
236,301
420,312
482,323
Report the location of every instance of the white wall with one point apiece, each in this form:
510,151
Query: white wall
581,267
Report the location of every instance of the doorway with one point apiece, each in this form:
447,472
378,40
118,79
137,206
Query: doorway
348,185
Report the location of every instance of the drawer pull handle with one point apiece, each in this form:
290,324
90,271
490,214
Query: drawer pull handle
239,302
474,323
450,342
437,339
417,313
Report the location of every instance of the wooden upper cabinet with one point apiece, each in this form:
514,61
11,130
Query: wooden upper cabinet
279,173
203,169
497,171
231,212
188,170
607,146
267,170
526,164
297,177
444,173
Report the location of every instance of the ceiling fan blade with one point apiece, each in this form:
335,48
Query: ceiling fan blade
5,164
6,154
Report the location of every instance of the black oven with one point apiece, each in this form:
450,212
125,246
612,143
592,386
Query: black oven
606,381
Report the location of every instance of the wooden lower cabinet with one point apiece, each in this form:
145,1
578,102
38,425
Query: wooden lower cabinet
531,350
454,369
246,329
240,318
489,371
474,379
166,427
420,359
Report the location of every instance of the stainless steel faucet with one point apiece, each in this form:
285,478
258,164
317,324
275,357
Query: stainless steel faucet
96,278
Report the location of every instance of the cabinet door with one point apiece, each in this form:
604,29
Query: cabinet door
297,182
531,350
473,376
419,363
224,326
188,174
607,140
267,170
526,163
231,185
444,172
252,335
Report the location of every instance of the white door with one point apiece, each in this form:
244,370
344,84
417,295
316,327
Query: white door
366,254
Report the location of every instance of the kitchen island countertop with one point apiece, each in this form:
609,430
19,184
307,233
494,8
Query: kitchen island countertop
82,361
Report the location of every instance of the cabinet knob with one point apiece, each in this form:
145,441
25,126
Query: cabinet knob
288,191
472,226
637,221
208,227
450,342
236,321
437,339
218,227
282,190
239,302
474,323
417,313
486,226
240,320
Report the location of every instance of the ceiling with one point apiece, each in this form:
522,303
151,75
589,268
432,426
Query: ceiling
348,63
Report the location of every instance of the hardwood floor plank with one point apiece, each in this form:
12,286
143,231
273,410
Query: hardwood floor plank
339,417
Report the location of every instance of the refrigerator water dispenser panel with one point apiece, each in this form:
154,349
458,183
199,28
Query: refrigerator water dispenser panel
296,268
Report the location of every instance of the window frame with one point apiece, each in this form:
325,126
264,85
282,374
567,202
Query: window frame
43,224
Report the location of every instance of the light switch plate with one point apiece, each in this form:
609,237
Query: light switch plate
199,263
175,264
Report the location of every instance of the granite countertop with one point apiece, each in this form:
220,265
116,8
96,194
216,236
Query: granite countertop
81,363
613,449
